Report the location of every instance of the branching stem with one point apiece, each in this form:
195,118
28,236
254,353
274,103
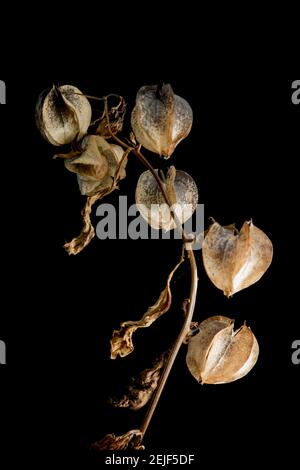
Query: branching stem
194,279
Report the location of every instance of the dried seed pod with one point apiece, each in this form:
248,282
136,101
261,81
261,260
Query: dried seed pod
218,354
160,119
182,192
235,260
96,164
63,114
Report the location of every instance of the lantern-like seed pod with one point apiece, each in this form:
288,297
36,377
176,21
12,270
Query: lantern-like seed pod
160,119
63,114
181,190
96,165
235,260
218,354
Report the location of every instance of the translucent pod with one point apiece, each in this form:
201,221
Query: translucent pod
63,114
160,119
181,190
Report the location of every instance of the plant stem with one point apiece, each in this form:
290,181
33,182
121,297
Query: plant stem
184,331
194,280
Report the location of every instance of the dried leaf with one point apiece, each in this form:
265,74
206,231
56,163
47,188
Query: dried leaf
160,119
218,354
63,114
235,260
142,388
182,192
132,439
121,342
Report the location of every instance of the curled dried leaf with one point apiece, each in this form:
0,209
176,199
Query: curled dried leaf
142,388
132,440
121,342
181,190
63,114
235,260
218,354
160,119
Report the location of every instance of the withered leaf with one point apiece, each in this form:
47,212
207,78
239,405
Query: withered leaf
121,342
132,440
142,388
218,354
235,260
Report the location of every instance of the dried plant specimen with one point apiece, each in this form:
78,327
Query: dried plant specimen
121,342
142,388
181,190
96,164
63,114
218,354
235,260
160,119
130,440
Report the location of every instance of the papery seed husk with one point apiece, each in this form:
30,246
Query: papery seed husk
152,205
160,119
63,114
218,354
96,166
234,261
230,352
199,344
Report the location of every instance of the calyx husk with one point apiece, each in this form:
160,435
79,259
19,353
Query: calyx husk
218,354
63,114
235,260
160,119
96,164
181,190
99,167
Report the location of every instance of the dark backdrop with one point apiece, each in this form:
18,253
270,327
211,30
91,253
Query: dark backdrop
58,312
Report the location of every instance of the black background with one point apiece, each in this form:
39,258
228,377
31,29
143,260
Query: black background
58,312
